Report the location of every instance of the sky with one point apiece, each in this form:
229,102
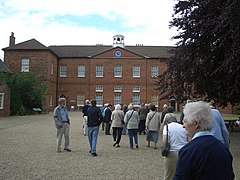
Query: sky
87,22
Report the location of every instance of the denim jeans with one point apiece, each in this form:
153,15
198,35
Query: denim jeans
92,138
133,133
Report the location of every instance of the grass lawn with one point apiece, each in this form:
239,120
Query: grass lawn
230,116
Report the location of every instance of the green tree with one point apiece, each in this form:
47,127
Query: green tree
206,59
27,90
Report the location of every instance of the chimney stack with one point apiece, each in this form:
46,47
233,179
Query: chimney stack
12,40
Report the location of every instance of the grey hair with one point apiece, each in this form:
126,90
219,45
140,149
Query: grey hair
118,107
130,106
61,100
201,112
170,118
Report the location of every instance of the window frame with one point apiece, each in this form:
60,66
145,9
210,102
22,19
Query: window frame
52,68
81,70
154,100
136,89
25,65
117,89
118,72
2,100
154,71
136,103
99,88
61,72
99,70
136,70
99,102
80,100
117,99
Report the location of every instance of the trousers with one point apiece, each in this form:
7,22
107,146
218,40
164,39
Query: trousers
63,131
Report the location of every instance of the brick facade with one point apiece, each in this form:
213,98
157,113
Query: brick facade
5,94
53,57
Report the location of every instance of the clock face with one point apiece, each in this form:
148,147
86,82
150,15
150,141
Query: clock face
118,53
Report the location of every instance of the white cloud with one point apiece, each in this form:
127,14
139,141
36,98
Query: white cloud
148,19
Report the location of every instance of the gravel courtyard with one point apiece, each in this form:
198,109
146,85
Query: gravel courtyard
28,151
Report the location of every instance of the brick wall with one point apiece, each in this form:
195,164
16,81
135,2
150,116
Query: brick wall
72,85
38,59
6,103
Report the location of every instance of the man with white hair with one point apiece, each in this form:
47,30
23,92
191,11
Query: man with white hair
62,123
204,157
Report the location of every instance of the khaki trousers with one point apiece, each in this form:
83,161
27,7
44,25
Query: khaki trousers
60,131
170,165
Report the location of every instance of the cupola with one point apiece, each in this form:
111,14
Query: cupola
118,40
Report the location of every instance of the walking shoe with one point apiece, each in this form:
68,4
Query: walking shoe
94,154
68,150
118,145
137,146
59,151
114,144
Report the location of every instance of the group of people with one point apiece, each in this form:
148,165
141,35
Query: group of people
199,146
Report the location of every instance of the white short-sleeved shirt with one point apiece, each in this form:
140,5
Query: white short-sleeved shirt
176,136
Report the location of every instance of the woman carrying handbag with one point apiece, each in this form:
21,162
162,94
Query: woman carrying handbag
177,138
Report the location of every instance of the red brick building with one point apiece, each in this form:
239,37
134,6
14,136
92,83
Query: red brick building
4,92
110,74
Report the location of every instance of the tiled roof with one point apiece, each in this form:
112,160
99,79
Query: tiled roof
31,44
92,50
78,51
88,51
152,51
3,67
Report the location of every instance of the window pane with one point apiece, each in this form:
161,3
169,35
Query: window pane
80,100
117,99
52,68
136,71
136,100
63,71
51,100
136,88
118,71
99,71
154,100
99,88
117,88
154,71
25,65
81,70
99,99
1,100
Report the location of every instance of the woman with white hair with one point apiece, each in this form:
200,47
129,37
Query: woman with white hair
204,157
131,120
117,124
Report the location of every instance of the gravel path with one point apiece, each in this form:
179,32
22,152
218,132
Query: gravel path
27,151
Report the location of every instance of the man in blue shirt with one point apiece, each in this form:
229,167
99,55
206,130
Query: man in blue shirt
62,123
219,129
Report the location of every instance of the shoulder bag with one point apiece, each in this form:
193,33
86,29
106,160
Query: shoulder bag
166,148
121,118
147,128
129,118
